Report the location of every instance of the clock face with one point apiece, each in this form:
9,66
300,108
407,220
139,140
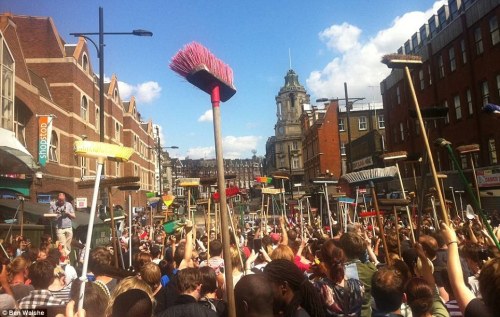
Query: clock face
281,130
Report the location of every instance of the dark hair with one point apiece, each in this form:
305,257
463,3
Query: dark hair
430,245
489,284
215,248
353,245
140,259
188,279
387,290
180,250
54,255
255,292
475,252
403,269
41,274
100,257
334,260
208,280
305,294
420,297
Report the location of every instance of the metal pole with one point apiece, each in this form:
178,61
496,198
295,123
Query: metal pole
129,229
475,179
328,209
158,148
349,158
454,201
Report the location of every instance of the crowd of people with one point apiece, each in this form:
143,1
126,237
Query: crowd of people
289,269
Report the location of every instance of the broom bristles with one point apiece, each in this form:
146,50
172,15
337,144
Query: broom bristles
463,149
193,55
374,174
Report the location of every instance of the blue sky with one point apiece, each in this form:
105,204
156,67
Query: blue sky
331,42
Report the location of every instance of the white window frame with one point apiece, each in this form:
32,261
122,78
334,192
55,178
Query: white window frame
83,166
402,131
492,152
342,149
478,41
85,62
494,31
381,121
453,61
7,86
440,66
463,49
485,92
341,125
84,108
470,105
362,123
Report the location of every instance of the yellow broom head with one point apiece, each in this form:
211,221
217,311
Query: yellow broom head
188,182
470,148
394,156
101,150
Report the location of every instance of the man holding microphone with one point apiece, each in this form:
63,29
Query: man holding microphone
65,213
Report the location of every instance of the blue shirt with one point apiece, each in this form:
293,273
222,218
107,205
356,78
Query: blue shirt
63,220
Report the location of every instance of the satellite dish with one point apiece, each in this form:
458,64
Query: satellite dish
469,213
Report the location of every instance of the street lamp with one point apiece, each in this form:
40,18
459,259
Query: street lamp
100,55
159,149
349,104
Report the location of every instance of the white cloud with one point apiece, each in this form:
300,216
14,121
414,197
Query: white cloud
206,117
144,93
358,63
234,147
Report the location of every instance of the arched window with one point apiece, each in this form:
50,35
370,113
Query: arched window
54,145
97,120
84,107
115,95
85,62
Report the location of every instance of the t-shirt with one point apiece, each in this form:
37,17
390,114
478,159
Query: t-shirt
453,308
477,308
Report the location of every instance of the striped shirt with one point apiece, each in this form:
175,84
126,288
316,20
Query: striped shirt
453,308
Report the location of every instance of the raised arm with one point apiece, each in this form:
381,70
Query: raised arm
462,293
284,233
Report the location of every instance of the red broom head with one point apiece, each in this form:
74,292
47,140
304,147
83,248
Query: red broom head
202,69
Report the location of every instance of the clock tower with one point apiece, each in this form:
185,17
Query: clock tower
288,130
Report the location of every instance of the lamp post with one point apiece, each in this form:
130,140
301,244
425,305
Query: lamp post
100,55
159,149
348,105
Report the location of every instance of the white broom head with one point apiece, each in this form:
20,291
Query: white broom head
394,156
374,175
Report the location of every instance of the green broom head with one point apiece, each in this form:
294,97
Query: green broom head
375,175
401,60
202,69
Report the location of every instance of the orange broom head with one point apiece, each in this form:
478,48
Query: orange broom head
394,156
202,69
470,148
401,60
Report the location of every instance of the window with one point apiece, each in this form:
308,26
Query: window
20,118
447,118
458,108
85,62
117,168
341,124
498,85
295,145
421,79
117,131
478,40
279,111
136,170
453,62
381,121
342,148
429,72
115,95
84,107
470,106
492,150
6,86
485,92
463,161
464,51
398,95
362,123
295,162
97,120
54,145
83,166
441,66
402,131
494,31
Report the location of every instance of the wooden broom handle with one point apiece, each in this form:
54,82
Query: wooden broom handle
380,224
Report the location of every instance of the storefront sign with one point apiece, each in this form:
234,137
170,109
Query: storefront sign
81,202
488,178
44,135
365,162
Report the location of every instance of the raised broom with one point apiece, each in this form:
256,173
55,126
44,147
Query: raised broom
102,152
371,176
406,61
471,149
202,69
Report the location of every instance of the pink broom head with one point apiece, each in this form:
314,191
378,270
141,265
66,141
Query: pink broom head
470,148
202,69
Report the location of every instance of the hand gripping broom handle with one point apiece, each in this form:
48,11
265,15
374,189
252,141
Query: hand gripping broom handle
469,191
444,213
379,222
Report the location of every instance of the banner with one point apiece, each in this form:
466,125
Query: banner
44,135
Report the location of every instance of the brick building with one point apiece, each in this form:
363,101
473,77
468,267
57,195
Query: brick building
56,79
460,50
321,142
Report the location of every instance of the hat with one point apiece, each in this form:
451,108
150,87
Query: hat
275,237
133,302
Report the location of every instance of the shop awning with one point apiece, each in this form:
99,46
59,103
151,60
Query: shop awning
14,157
37,210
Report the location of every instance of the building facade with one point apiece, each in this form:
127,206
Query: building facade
288,130
55,80
460,50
